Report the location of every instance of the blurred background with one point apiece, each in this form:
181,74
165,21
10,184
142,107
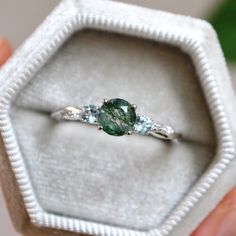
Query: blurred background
18,19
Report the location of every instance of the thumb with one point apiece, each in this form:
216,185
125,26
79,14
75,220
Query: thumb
5,50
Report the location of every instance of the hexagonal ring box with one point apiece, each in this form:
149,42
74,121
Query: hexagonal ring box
68,178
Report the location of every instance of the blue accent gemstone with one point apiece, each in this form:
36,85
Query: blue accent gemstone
89,114
143,124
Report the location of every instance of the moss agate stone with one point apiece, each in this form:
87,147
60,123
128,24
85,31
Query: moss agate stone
116,117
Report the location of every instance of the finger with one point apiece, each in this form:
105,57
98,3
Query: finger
5,50
222,221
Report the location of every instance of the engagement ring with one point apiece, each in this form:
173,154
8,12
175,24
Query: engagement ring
116,117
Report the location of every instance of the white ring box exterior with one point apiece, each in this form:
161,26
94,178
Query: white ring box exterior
200,42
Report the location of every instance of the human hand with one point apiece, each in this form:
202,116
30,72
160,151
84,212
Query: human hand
222,220
5,51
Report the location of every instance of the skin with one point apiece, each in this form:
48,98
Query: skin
220,222
5,50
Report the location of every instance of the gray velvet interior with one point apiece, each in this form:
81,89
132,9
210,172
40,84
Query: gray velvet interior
129,181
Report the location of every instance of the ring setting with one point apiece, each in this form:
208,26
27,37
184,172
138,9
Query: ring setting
116,117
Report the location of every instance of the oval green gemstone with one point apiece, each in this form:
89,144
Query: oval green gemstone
117,117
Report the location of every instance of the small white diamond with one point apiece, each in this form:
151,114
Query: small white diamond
72,113
168,130
156,127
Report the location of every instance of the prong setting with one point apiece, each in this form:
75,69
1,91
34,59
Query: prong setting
105,101
100,127
134,106
155,129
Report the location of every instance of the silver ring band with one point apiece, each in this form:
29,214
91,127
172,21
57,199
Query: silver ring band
90,114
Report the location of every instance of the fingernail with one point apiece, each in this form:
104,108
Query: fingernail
5,50
222,221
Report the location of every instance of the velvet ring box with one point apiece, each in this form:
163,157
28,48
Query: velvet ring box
68,178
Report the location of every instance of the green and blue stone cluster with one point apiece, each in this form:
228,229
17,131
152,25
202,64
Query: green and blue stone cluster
117,117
